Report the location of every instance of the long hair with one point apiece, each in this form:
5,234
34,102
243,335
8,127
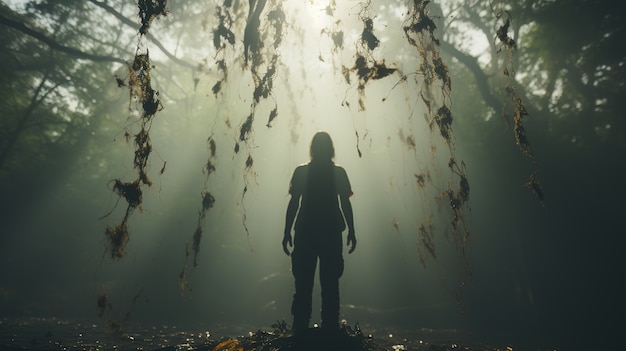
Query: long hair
322,147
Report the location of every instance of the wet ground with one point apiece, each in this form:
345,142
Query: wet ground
39,334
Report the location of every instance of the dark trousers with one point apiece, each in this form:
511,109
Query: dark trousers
308,248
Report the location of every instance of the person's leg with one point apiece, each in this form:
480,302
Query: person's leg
303,262
331,269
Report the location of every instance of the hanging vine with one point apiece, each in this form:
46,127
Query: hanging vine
263,20
365,66
142,98
435,91
140,91
509,46
263,65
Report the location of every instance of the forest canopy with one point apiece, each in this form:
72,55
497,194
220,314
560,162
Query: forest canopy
57,61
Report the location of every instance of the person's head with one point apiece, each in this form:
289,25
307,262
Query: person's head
322,147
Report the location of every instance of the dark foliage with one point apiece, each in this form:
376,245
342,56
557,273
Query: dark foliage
503,32
223,31
117,237
246,128
130,191
367,36
272,116
149,10
443,118
420,24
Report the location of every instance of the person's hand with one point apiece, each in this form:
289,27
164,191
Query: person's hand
351,241
287,240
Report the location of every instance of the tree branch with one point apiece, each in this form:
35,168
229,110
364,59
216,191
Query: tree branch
22,27
482,83
132,24
480,77
14,135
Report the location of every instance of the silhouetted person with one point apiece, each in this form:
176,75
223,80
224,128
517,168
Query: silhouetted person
317,188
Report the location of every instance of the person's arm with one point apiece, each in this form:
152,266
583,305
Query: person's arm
292,209
346,207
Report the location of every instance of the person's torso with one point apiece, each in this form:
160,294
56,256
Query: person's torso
319,206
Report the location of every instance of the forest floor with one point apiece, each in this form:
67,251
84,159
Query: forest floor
38,334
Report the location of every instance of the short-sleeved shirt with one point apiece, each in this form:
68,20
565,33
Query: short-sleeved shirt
320,185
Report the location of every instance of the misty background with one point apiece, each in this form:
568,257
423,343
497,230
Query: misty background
536,275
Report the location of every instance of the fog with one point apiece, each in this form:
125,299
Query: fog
532,274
